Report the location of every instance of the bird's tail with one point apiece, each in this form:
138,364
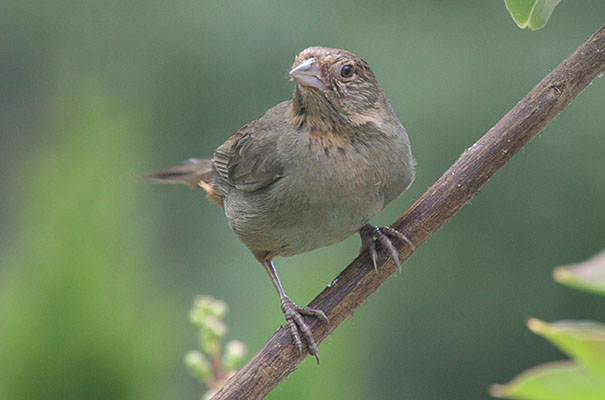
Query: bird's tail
190,172
193,172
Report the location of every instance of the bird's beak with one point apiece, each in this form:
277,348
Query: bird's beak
308,73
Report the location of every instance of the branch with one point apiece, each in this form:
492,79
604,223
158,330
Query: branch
278,358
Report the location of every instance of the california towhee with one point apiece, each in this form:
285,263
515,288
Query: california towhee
311,171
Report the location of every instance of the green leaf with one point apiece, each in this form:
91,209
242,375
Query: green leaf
588,275
532,14
561,380
583,341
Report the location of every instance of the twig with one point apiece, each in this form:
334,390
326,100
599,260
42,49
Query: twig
278,358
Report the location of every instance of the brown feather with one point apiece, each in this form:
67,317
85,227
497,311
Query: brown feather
190,173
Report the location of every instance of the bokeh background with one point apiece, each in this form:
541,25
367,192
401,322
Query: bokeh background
98,269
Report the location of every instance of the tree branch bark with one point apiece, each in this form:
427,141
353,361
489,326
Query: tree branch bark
278,358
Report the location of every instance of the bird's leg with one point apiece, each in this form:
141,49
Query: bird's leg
294,314
370,235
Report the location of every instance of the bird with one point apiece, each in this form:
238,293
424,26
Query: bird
310,172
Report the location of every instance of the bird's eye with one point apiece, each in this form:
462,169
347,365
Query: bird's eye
347,71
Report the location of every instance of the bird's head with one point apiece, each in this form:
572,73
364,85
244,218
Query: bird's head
334,90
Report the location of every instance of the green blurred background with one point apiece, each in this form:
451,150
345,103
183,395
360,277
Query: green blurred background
98,270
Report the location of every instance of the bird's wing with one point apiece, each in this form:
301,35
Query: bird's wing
247,160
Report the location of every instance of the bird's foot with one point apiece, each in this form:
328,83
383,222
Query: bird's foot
370,235
297,325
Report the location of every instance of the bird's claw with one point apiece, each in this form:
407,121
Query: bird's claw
371,234
297,325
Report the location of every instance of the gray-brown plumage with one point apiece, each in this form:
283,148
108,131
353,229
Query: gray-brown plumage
311,171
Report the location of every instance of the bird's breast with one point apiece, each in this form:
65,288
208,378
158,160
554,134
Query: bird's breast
340,180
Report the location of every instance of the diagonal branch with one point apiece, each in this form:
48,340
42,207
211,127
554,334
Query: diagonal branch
278,358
